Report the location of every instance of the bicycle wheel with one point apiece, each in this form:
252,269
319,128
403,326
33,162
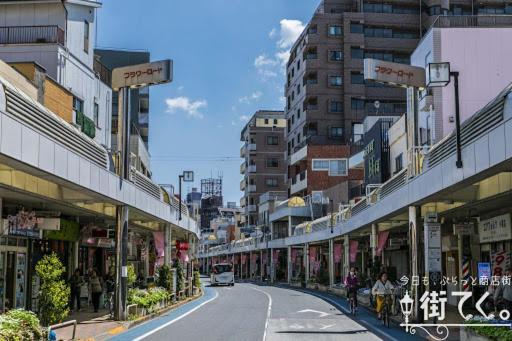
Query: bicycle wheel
387,316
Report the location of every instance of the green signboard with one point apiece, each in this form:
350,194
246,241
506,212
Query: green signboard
69,231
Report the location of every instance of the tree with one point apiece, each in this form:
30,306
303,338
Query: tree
54,293
180,277
164,278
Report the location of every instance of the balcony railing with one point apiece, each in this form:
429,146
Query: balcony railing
51,34
103,72
252,168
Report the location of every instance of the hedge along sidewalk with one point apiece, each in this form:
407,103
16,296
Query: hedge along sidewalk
98,327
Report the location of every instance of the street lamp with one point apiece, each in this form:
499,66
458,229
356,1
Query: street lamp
187,176
406,303
439,75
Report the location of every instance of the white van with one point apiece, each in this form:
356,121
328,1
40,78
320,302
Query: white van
223,274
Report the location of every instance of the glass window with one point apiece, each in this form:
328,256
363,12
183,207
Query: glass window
271,182
96,114
335,55
320,165
356,28
335,30
275,120
357,104
86,36
356,78
312,29
272,140
272,163
356,53
336,132
338,167
335,81
335,106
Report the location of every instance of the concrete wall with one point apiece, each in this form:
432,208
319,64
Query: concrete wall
397,144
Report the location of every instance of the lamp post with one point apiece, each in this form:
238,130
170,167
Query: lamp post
439,75
187,176
123,80
406,304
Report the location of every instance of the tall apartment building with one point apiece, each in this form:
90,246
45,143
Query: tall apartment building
56,39
263,167
104,62
327,98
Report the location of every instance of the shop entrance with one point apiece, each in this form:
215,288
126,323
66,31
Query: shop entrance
13,278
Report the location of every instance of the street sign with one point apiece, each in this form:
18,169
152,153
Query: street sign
464,229
397,74
188,176
432,247
484,270
135,76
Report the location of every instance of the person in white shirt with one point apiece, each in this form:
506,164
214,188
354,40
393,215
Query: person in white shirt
382,287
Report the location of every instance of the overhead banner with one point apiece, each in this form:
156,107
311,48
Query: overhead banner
354,245
495,229
383,239
312,253
338,252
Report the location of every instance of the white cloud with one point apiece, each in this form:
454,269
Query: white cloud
290,31
244,118
233,123
272,33
262,61
282,57
252,97
180,88
191,108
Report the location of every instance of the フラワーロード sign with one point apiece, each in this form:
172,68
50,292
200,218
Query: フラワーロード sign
142,74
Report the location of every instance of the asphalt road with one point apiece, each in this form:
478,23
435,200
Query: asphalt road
251,312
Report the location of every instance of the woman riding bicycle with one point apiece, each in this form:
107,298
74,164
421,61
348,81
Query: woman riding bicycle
382,288
351,283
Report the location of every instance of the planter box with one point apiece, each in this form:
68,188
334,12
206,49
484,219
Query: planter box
363,299
467,334
296,284
322,287
312,286
339,291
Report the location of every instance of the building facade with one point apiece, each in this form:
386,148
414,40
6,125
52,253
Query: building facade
263,167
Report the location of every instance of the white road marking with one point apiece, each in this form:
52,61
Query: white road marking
327,326
269,310
320,313
176,319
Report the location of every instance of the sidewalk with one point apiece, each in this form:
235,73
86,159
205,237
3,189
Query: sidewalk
92,326
99,326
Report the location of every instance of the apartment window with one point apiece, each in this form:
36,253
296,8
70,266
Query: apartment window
272,140
293,119
398,163
335,106
275,120
335,56
335,30
78,105
288,125
298,65
266,121
356,28
298,89
293,95
312,29
293,72
271,182
356,78
86,36
356,53
298,114
336,132
272,163
357,104
378,32
335,167
298,138
96,114
335,80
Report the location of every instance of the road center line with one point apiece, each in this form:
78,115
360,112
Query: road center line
269,310
176,319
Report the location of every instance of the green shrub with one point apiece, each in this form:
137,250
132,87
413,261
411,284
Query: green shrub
148,299
20,325
132,276
180,277
491,332
197,279
54,293
164,278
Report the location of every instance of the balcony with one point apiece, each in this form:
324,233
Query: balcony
251,188
242,168
252,147
250,209
242,202
299,182
299,155
51,34
252,168
242,184
243,149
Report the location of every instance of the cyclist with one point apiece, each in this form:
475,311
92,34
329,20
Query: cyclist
381,288
351,283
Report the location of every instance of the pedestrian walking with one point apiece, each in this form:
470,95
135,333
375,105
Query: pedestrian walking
96,290
75,284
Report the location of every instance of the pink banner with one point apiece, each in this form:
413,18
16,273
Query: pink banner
383,238
354,244
338,250
159,243
293,255
184,256
312,253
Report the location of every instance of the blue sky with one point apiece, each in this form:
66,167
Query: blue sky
228,57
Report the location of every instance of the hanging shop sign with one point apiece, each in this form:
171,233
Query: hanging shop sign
23,224
68,231
396,74
484,269
432,241
464,229
495,229
142,74
181,246
500,262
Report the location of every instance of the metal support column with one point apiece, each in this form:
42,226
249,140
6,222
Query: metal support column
168,245
374,241
289,263
272,266
306,261
414,216
331,262
346,256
